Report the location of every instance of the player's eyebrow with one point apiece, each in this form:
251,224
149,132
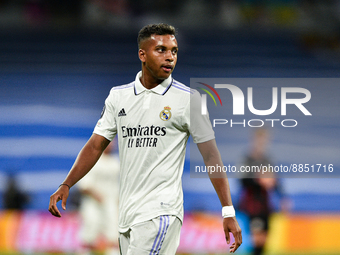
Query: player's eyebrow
160,46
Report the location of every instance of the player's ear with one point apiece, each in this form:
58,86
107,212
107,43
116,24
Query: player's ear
141,55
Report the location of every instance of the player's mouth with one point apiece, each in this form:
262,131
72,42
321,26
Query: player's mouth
167,68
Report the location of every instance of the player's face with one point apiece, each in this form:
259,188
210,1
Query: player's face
159,56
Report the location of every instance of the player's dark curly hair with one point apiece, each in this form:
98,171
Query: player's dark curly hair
155,29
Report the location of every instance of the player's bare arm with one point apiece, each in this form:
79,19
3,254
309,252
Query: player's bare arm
212,157
86,159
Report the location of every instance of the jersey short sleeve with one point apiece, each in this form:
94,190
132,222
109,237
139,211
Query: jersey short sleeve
106,125
199,125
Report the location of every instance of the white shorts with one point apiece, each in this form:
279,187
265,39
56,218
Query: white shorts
159,236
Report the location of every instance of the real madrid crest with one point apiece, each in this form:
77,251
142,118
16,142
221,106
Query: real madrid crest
165,114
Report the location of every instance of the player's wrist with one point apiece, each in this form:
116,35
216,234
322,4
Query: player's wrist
228,211
69,187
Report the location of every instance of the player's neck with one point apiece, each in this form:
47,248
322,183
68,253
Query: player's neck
149,82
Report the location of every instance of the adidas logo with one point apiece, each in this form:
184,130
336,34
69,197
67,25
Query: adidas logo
121,113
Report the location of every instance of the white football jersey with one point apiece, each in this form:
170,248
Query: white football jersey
153,127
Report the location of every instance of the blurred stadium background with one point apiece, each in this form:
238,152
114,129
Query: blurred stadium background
60,58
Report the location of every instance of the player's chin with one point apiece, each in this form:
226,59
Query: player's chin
164,75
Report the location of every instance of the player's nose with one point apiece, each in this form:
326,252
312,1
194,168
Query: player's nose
170,56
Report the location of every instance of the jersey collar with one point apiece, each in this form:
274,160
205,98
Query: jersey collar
160,89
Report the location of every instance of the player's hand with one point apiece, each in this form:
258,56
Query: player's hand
230,224
61,194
